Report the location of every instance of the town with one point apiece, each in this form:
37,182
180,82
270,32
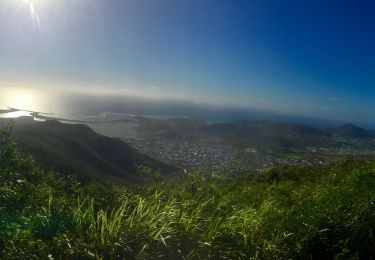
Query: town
221,157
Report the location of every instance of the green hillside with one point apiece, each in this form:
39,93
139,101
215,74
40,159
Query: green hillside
320,212
77,149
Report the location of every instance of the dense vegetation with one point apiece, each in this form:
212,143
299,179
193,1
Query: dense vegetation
317,212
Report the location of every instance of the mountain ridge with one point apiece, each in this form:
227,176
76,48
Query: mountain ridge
76,148
351,131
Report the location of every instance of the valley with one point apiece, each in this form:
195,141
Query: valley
246,146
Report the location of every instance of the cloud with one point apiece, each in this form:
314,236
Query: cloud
153,88
335,99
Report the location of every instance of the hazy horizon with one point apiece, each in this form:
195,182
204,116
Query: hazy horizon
83,105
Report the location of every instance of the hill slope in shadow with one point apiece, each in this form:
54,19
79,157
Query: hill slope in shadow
77,149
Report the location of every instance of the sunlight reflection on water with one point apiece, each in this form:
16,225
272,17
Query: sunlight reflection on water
30,99
15,114
4,108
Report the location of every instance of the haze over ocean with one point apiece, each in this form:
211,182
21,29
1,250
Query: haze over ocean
93,107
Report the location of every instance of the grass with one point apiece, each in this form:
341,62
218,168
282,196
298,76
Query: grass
323,212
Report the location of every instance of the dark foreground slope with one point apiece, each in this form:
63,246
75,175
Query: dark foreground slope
325,212
77,149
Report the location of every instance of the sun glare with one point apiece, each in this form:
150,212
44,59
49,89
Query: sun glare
33,12
21,99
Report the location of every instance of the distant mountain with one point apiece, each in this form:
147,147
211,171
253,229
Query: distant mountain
260,134
267,134
351,131
70,149
174,128
270,128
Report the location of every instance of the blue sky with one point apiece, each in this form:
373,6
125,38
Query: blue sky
314,58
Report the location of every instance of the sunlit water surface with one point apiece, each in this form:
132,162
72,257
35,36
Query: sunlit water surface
97,108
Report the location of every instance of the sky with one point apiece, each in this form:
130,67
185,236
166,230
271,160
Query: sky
313,57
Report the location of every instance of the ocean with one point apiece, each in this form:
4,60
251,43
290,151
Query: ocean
108,108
